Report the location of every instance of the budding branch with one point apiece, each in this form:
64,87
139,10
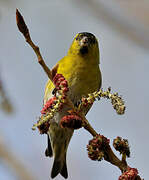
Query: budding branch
108,153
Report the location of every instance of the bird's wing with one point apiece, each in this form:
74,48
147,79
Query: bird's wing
50,86
48,91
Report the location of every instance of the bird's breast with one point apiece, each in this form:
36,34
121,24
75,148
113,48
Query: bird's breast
83,76
83,82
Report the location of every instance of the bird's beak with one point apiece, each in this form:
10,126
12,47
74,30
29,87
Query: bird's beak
84,41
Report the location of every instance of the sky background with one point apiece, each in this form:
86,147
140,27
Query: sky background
123,40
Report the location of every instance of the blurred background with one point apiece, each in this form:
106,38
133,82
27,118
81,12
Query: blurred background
122,27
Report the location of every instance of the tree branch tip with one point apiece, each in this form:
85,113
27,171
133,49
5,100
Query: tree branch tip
21,24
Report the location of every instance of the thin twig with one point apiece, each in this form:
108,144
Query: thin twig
110,156
24,30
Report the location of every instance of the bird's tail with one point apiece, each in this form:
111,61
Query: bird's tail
59,166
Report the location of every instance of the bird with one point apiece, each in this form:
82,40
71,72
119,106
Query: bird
80,67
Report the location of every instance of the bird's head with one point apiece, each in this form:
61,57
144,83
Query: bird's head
85,45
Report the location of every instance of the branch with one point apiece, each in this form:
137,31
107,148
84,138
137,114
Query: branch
108,154
24,30
99,146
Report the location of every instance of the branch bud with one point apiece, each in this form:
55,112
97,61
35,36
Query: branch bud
21,24
130,174
122,146
97,146
71,121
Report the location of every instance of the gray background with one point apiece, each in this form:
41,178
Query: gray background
124,45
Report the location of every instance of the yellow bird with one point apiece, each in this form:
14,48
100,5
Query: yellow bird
80,67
